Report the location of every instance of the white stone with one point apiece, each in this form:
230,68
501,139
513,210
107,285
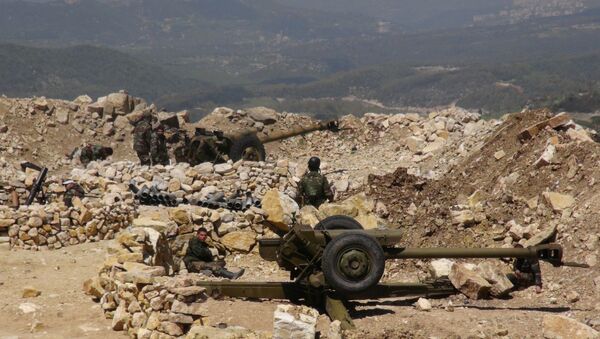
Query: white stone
296,322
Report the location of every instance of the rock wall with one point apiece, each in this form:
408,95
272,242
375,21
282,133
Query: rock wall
54,226
137,293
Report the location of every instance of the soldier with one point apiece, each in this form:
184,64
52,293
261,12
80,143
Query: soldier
158,147
73,190
527,272
88,153
314,189
199,258
141,139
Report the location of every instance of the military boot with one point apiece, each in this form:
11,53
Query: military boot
228,274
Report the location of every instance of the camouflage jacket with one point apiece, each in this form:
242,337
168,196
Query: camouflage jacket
90,153
141,136
197,251
73,190
314,189
158,149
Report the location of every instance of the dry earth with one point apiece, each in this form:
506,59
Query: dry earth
63,311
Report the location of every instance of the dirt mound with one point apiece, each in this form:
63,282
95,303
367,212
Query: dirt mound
503,194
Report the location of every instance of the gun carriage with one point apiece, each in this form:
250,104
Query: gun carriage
339,261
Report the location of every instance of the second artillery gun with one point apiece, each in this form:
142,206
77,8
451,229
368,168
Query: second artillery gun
339,261
219,147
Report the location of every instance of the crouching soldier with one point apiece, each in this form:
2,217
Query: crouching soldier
73,190
88,153
199,258
526,272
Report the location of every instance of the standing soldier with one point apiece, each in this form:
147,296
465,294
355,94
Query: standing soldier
199,258
314,189
141,138
158,147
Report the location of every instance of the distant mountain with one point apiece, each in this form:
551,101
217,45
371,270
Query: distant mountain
69,72
435,14
568,83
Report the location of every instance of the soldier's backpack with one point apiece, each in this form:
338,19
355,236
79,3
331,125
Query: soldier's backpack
313,186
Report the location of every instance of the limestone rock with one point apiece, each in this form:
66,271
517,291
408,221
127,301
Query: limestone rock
440,268
120,102
558,201
547,157
151,223
262,114
30,292
62,116
468,282
561,327
241,241
180,216
223,168
541,237
120,318
499,154
501,285
291,321
423,305
279,208
309,216
92,287
189,308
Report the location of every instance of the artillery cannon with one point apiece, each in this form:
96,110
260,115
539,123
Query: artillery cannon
339,261
218,147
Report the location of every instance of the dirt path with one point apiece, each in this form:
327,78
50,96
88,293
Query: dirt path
64,311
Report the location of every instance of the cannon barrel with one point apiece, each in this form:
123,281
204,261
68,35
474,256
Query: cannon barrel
279,135
549,252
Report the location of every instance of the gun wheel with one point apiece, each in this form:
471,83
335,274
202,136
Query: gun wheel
247,147
338,222
353,262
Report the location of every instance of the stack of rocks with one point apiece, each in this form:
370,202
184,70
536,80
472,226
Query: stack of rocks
135,288
197,182
55,225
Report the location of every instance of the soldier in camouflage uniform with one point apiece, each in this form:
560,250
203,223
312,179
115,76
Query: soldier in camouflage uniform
88,153
141,139
199,258
72,190
158,147
314,189
526,272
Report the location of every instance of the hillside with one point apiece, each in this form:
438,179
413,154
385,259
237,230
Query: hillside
496,88
67,72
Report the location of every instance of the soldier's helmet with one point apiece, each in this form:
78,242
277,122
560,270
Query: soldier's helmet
314,163
68,182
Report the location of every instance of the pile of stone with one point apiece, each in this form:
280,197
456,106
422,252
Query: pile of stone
54,226
135,290
197,182
475,281
139,288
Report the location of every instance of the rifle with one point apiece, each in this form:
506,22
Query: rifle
36,188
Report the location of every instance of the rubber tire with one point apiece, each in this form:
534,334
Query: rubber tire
337,246
244,141
338,222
